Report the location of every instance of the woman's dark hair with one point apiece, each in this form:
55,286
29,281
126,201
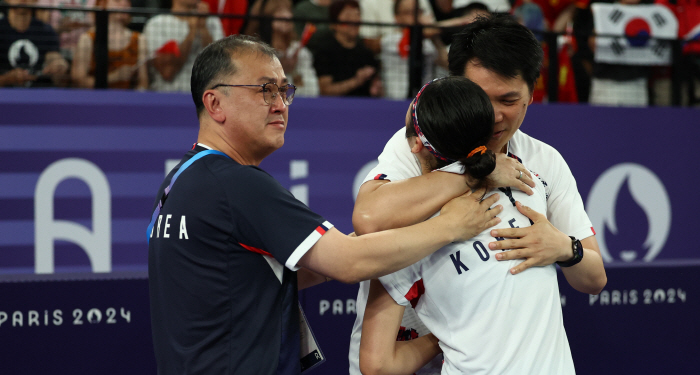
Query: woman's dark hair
456,117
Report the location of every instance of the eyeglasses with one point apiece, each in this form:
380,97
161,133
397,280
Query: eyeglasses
270,91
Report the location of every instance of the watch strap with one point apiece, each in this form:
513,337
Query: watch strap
577,249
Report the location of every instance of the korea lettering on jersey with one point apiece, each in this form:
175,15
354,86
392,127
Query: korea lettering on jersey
161,200
480,312
634,34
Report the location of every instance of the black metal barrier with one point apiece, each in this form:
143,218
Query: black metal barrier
683,71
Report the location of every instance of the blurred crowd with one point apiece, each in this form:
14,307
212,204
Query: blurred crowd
352,47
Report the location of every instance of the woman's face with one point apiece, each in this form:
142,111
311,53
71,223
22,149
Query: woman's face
123,18
282,27
348,14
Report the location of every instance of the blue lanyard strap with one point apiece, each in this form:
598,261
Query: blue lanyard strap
196,157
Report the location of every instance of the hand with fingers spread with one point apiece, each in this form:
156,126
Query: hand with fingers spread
540,244
510,173
472,215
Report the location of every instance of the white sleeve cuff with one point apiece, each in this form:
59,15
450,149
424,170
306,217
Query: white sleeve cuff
307,244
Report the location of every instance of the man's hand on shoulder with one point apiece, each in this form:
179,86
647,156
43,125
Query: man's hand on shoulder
470,215
510,173
540,244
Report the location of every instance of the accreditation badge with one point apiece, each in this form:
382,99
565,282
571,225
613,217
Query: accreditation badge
310,354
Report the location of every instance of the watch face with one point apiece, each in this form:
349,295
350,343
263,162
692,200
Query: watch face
578,249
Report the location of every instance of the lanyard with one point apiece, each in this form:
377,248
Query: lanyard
198,156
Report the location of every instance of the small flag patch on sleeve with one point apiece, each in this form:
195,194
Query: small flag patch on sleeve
306,244
380,177
416,291
323,228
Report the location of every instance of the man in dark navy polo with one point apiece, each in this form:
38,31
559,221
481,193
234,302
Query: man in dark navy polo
229,247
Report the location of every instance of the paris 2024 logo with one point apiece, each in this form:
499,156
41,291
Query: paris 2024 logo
648,193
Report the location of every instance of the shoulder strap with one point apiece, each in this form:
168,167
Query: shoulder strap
199,155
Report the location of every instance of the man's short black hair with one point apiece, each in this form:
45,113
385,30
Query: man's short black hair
215,63
500,44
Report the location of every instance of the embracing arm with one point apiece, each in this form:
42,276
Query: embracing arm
307,278
380,353
382,204
589,275
352,259
542,244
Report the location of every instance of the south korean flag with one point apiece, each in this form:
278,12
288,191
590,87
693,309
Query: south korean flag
632,32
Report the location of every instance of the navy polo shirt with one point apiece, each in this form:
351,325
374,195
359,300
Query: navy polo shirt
222,299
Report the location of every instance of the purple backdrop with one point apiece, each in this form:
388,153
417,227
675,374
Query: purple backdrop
80,169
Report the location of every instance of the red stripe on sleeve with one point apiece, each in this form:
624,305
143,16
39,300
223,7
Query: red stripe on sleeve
255,250
320,230
415,292
593,231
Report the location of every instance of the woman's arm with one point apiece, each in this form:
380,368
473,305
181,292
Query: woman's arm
142,68
380,353
81,63
330,88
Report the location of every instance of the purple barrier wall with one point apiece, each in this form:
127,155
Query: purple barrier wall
80,169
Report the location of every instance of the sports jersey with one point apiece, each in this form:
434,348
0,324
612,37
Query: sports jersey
27,49
489,321
564,206
222,256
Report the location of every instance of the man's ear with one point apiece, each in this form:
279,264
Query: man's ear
212,104
415,144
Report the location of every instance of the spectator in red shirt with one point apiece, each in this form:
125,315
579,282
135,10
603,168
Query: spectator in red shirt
238,7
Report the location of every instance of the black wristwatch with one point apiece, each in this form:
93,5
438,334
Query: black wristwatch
578,253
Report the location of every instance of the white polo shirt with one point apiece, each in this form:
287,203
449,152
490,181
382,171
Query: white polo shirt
564,207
